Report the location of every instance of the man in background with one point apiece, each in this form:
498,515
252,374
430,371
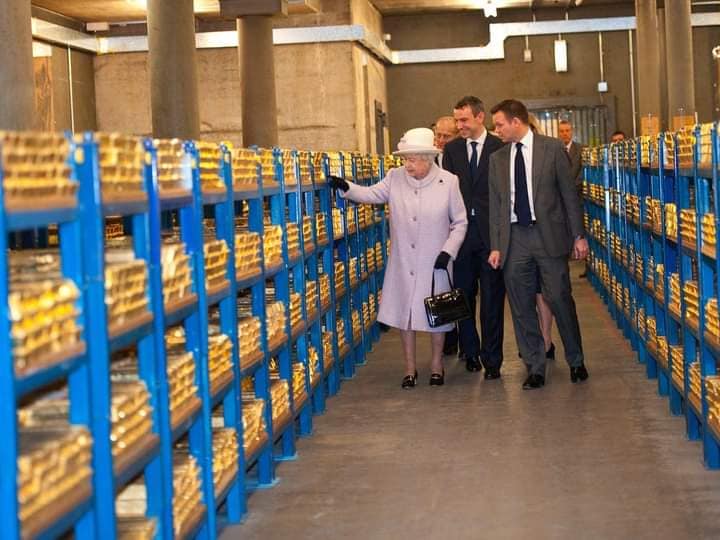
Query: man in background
617,136
574,154
445,131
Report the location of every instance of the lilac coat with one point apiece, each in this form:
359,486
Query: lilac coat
426,217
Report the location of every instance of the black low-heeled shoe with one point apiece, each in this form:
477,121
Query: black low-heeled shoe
409,381
437,379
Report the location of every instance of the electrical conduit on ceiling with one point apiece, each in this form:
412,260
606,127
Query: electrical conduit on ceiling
494,50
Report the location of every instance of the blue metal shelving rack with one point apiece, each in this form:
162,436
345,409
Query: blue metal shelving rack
654,168
148,215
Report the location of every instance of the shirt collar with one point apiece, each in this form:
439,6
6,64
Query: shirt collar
527,140
480,140
568,146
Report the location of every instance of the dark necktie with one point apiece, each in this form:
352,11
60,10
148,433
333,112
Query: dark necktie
473,160
522,203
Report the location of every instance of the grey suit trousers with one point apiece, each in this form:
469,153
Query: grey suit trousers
526,257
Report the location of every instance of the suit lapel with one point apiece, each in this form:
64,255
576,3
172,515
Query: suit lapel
504,156
538,158
464,162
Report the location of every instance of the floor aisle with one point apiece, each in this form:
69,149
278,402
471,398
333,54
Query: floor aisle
480,459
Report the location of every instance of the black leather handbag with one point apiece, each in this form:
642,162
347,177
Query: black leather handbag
448,307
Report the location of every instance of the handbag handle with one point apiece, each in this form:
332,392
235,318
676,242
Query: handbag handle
432,287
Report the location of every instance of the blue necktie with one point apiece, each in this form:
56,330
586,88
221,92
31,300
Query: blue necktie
522,203
473,160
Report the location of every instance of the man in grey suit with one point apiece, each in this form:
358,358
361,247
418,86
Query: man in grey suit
574,154
533,206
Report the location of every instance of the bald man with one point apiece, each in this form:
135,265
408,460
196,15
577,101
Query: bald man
445,131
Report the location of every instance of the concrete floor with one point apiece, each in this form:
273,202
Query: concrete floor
483,459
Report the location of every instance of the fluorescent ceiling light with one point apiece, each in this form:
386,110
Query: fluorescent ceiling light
561,59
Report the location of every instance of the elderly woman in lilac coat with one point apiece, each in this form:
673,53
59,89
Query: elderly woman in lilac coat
427,227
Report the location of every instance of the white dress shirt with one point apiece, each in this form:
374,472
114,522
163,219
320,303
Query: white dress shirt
527,153
439,160
481,141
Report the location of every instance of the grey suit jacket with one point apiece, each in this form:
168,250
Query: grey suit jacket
575,155
557,207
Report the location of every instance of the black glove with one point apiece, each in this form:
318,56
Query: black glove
338,183
441,263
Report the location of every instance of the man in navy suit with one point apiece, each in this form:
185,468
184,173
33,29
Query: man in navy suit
468,157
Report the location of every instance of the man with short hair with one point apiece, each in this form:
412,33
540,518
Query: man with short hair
574,154
468,157
533,205
445,131
617,136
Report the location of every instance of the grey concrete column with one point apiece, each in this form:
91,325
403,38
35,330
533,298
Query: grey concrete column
257,76
17,78
680,73
662,48
648,66
173,69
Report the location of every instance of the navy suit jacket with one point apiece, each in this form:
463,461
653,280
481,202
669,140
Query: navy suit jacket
475,191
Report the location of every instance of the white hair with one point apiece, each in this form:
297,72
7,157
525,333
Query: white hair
425,156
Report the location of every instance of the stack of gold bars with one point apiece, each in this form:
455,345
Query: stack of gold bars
247,254
249,340
219,361
272,245
125,286
307,233
616,291
692,303
324,284
347,166
614,196
373,308
662,350
687,227
351,212
225,457
280,399
660,282
712,386
678,367
121,165
295,310
130,414
669,151
43,313
188,507
353,271
245,169
54,466
615,246
363,267
356,325
181,380
321,228
298,383
293,240
176,272
365,315
656,209
639,267
339,278
646,143
343,344
289,168
304,159
650,278
253,418
275,324
632,205
130,509
712,322
173,166
708,234
313,365
363,216
338,225
35,167
642,322
378,255
695,385
685,144
216,255
327,344
674,302
705,146
370,258
210,166
267,166
651,340
671,221
311,298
